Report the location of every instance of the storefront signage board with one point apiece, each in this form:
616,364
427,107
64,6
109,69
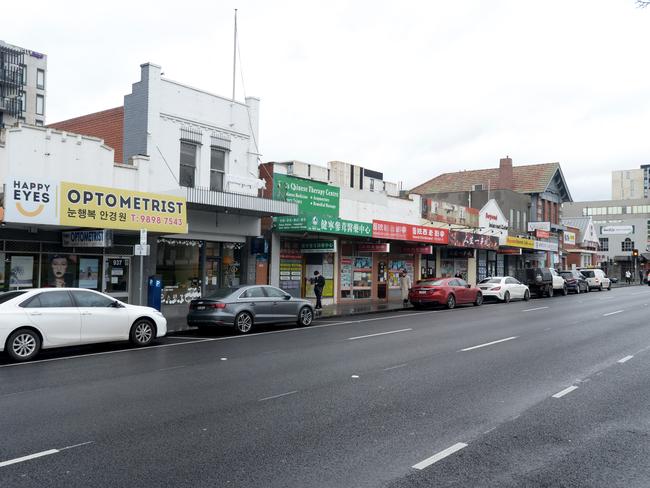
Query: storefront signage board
570,238
449,213
546,246
40,201
533,226
312,197
87,238
329,225
373,247
474,241
542,234
491,221
520,242
382,229
416,250
612,230
310,246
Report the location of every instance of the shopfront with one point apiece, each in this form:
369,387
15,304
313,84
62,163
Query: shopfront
300,258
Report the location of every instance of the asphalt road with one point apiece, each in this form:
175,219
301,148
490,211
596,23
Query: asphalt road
551,392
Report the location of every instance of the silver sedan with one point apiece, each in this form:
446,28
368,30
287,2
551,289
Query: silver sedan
246,306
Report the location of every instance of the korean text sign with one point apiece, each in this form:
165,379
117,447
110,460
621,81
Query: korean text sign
109,208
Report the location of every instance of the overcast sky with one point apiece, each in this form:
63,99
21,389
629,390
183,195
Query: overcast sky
413,89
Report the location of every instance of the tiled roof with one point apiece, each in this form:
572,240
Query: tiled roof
107,125
532,178
580,223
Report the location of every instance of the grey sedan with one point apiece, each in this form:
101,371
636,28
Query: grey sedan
246,306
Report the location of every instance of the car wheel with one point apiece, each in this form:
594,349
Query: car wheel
143,333
506,297
526,295
609,288
550,291
565,291
23,345
600,288
243,322
305,317
451,302
479,300
578,290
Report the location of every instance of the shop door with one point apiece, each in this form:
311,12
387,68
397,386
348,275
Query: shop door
116,277
212,274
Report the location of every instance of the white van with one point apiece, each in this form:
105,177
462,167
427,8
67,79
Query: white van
596,279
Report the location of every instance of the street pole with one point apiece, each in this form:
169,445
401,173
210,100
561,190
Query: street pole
141,278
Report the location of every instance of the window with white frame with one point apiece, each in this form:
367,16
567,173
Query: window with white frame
40,79
217,168
40,105
187,175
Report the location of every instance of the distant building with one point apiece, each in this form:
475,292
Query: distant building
23,81
631,184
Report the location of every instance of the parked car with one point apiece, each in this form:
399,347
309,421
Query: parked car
246,306
31,320
504,288
559,283
575,281
540,281
596,279
444,291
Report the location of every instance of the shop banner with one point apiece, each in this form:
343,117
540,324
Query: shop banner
317,246
373,247
438,211
87,238
416,250
382,229
570,238
546,246
533,226
103,207
328,225
542,234
474,241
613,230
31,201
520,242
312,197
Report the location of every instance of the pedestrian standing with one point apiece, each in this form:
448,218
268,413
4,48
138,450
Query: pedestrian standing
405,286
640,276
319,284
628,275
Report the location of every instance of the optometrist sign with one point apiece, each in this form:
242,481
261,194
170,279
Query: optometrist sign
102,207
31,201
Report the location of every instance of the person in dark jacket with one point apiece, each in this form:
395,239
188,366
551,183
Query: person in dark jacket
319,284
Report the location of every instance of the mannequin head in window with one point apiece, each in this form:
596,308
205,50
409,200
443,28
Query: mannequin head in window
59,275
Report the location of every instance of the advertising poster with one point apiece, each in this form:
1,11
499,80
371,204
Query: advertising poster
88,273
22,271
346,273
61,271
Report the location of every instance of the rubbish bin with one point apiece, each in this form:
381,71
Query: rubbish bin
154,291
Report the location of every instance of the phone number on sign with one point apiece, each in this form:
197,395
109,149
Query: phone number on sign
156,219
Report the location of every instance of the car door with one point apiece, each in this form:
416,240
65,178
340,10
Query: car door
463,294
283,308
517,290
101,320
56,316
256,300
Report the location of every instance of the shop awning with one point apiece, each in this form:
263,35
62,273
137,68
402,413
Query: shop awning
581,251
238,204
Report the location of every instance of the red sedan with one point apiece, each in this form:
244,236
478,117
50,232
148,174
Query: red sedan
444,291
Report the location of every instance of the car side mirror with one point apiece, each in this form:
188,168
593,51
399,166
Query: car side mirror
287,297
116,304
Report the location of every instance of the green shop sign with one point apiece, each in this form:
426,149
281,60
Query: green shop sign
328,225
312,197
317,246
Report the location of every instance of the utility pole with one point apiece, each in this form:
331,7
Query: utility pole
234,58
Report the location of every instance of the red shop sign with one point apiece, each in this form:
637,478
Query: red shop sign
542,234
382,229
373,247
417,250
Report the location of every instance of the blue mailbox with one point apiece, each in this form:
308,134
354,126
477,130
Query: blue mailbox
154,293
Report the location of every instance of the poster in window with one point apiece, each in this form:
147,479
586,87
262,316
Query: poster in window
61,271
346,273
88,273
22,271
363,262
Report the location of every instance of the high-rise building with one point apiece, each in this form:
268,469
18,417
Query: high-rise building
631,184
22,85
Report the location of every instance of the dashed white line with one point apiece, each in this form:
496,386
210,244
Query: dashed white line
172,368
395,367
533,309
37,455
441,455
488,344
277,396
378,334
625,359
566,391
612,313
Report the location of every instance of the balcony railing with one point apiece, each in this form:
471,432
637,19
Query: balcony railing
243,204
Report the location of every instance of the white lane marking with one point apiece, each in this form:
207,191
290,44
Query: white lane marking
395,367
215,339
224,359
566,391
355,376
488,344
441,455
625,359
378,334
187,338
173,367
612,313
533,309
277,396
40,454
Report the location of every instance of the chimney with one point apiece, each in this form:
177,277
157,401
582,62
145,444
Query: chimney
506,179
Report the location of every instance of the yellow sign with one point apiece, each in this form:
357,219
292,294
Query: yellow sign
520,242
108,208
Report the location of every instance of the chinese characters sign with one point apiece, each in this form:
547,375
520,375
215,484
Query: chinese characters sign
382,229
329,225
475,241
312,197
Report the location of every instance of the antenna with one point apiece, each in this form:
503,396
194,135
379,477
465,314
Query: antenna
234,58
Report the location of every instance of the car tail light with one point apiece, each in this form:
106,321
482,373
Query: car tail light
216,305
496,288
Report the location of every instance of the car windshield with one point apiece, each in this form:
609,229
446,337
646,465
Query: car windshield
431,283
490,280
588,274
9,295
221,293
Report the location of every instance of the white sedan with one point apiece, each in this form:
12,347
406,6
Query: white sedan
31,320
504,288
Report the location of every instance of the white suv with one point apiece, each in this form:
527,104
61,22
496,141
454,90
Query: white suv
596,279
